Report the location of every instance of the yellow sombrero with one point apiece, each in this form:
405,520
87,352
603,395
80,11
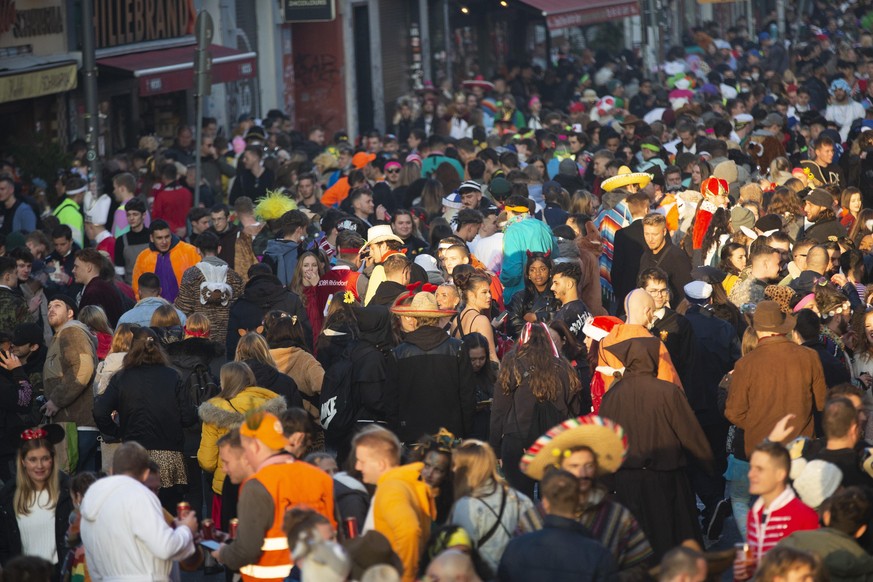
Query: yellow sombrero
606,438
625,177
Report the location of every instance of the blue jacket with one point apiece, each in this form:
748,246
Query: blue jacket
281,255
141,313
562,551
527,234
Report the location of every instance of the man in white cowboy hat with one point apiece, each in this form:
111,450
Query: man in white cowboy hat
801,384
590,447
380,241
430,380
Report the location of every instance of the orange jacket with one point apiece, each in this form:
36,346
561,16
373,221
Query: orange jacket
182,257
606,361
403,510
334,195
291,484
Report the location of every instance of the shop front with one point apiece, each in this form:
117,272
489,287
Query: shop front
145,58
36,70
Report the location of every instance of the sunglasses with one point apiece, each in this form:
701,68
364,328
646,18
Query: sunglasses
393,171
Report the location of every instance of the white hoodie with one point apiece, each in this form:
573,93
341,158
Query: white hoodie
125,535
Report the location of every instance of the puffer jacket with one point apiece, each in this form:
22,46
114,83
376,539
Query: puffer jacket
220,415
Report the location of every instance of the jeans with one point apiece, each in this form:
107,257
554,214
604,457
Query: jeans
737,476
88,448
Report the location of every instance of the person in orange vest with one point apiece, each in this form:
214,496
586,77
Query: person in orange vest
260,551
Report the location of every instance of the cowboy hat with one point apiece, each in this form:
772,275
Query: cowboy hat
380,233
625,177
606,438
424,304
769,317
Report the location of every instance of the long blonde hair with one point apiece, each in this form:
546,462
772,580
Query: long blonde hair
235,377
25,489
474,465
253,346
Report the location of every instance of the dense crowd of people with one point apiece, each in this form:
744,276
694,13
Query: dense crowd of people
553,325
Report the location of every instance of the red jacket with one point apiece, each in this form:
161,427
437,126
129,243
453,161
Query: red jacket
172,203
786,515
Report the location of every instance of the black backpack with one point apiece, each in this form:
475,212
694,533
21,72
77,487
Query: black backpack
200,386
545,416
337,403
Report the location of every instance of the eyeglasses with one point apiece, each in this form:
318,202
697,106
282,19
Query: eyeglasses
657,291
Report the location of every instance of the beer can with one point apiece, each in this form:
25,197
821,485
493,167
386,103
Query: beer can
234,524
207,529
182,509
351,527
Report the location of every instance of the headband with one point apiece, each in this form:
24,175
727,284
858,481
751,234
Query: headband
33,434
348,251
518,209
651,147
196,333
77,191
525,336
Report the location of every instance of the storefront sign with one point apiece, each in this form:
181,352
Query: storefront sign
38,83
38,23
309,10
121,22
592,15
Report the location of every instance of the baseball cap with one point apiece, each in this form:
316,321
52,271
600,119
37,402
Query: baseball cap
361,159
265,428
26,334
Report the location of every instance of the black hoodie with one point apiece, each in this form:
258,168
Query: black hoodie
268,377
262,294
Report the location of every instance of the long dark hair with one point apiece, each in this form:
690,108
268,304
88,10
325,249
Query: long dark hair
727,251
719,225
473,340
571,350
283,330
535,362
544,258
145,349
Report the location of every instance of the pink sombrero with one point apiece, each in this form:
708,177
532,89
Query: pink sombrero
606,438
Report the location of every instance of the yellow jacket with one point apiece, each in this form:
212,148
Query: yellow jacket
403,509
219,415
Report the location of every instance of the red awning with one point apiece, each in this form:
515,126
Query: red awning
169,70
570,13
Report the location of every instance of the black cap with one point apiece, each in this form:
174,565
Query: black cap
71,303
708,274
27,334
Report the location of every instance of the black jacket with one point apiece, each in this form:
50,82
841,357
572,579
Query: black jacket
10,536
268,377
431,385
563,551
184,357
628,248
822,230
11,414
834,371
673,261
387,293
262,294
152,407
543,305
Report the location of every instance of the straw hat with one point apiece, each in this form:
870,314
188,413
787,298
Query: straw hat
606,438
424,304
381,233
625,177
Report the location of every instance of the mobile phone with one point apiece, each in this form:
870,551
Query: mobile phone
210,545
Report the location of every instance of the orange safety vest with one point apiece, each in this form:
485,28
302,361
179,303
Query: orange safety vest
290,484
